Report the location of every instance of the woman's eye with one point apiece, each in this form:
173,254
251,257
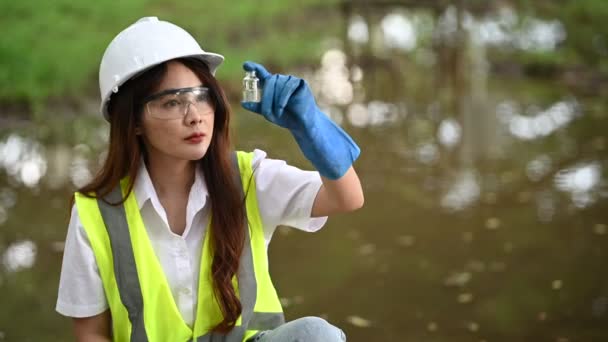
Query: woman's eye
171,103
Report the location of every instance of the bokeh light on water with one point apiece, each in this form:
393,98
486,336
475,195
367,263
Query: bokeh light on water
486,191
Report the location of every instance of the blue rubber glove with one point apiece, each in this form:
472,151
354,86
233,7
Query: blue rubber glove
288,102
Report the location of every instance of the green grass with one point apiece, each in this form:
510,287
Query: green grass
52,49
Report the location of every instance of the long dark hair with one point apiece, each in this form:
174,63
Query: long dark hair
127,149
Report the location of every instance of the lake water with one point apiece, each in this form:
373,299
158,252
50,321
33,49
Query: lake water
486,199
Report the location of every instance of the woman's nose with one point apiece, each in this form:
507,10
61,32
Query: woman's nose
192,115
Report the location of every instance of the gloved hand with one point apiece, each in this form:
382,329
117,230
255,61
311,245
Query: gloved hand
288,102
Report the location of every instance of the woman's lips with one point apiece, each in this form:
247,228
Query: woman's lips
195,138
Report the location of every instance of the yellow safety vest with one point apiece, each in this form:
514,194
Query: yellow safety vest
140,300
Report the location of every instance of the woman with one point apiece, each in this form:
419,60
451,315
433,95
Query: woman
168,242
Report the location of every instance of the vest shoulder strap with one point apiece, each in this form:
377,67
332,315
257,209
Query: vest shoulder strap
125,269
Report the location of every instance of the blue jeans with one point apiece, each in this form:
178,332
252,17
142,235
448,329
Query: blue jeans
305,329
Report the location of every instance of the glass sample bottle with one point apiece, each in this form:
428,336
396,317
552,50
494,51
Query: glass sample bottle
251,90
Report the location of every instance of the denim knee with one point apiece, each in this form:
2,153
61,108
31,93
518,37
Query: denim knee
312,329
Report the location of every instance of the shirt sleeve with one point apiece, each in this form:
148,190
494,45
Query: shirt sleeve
285,195
81,291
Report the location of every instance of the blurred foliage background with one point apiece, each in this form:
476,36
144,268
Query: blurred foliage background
53,48
483,126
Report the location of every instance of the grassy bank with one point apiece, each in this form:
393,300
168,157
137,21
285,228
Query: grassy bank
50,50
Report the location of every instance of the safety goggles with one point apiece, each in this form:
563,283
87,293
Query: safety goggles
175,103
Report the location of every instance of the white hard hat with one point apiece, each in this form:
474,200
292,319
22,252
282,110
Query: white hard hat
144,44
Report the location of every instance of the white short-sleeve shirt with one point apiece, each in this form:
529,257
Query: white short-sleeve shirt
285,197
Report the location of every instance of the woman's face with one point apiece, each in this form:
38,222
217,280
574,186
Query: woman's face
181,137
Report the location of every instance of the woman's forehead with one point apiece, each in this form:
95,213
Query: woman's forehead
179,76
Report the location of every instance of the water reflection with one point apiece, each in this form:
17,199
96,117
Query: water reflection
600,229
3,215
537,123
19,255
79,167
458,279
485,195
449,133
464,191
506,29
23,159
374,113
358,31
539,167
332,79
546,205
398,32
580,182
500,154
600,306
8,199
427,153
359,321
59,158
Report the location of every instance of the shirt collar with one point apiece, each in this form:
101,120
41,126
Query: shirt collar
144,189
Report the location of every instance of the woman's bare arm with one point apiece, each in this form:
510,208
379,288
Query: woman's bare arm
94,329
337,196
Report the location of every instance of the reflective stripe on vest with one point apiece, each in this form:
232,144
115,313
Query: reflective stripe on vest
121,246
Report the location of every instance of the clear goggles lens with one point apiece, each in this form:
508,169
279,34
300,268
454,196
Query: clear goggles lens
175,103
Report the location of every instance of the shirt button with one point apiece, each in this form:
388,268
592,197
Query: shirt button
186,291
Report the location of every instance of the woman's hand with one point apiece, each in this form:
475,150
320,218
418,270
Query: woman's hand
288,102
279,93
